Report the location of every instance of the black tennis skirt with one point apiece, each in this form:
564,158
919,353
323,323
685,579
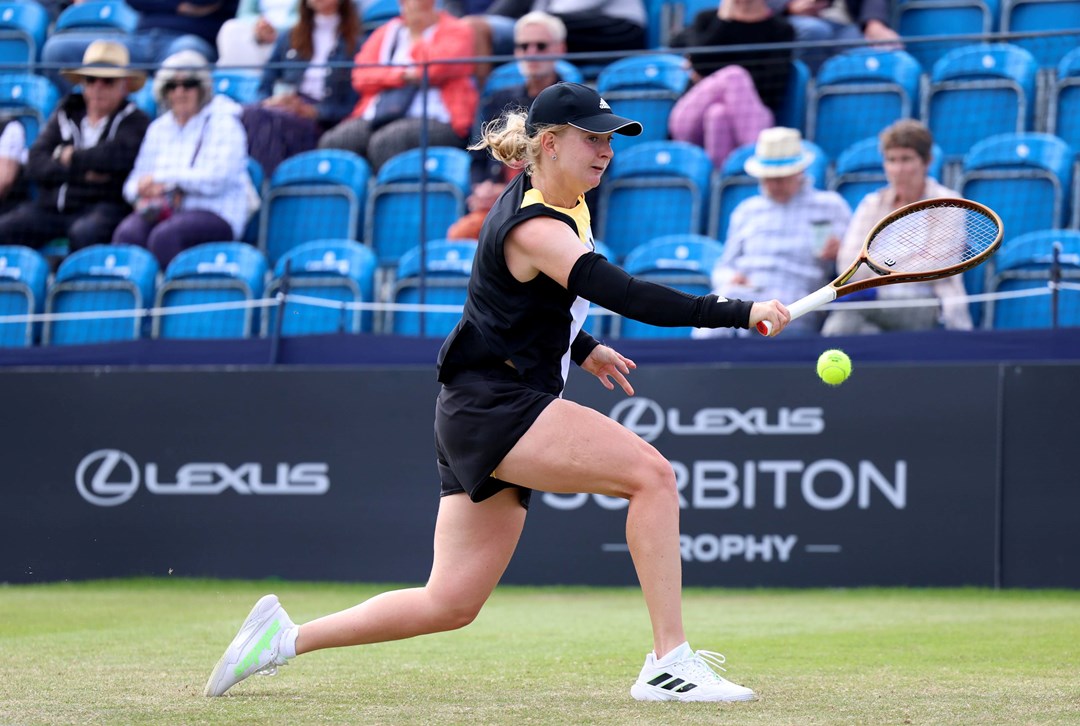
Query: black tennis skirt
479,417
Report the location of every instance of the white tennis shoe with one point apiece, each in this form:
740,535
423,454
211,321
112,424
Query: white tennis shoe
255,649
685,675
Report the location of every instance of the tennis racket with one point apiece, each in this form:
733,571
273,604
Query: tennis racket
926,240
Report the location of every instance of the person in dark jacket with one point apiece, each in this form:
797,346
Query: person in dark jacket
81,158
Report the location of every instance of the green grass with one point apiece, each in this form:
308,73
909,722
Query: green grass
139,652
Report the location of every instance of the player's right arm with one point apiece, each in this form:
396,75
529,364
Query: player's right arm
549,246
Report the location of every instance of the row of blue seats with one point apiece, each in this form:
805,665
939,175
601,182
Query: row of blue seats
227,290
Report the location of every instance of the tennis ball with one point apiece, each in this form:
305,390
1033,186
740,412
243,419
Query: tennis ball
833,367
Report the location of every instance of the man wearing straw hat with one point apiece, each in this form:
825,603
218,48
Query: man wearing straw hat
81,158
781,242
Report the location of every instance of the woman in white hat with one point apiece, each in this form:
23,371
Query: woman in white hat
781,242
190,183
81,157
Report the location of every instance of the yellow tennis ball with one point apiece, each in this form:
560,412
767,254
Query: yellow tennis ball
833,367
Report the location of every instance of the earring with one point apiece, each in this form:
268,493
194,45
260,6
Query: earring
554,157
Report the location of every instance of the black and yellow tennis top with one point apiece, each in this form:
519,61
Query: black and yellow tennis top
531,324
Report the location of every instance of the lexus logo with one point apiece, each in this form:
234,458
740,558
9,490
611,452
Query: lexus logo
643,416
107,477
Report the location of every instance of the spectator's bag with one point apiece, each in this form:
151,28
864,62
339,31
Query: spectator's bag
392,104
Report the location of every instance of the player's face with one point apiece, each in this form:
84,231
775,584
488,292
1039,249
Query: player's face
588,155
906,172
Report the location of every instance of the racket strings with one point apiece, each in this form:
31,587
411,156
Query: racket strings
931,238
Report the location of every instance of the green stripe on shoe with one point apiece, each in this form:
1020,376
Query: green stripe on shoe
253,655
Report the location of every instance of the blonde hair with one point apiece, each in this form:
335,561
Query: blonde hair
510,142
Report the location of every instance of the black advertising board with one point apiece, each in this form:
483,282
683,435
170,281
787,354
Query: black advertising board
926,475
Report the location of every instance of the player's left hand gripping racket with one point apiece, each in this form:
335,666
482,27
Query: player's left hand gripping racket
925,240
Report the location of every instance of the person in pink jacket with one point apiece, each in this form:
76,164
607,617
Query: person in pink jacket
390,116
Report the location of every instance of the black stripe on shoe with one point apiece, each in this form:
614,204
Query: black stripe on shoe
671,683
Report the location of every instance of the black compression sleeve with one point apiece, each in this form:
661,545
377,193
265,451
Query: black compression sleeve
599,281
581,347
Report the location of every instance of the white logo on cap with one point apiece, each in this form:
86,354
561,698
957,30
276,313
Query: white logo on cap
603,105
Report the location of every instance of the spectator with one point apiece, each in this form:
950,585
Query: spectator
12,158
248,39
190,183
479,202
535,34
825,21
592,26
80,159
165,28
906,147
306,88
736,95
389,118
782,242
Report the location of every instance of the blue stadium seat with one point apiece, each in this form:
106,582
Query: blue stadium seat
100,16
239,84
101,278
339,272
919,22
653,189
731,184
1024,263
394,205
644,88
23,274
211,273
992,82
1025,178
1063,112
447,265
29,98
792,113
682,261
317,194
858,93
1027,16
378,12
23,27
860,170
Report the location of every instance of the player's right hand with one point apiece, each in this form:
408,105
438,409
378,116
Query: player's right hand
772,312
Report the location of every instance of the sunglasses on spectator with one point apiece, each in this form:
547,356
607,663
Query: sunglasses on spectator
91,80
540,45
188,83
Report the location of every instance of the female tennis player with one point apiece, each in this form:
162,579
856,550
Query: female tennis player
502,428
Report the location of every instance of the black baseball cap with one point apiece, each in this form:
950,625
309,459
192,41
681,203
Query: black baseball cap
579,106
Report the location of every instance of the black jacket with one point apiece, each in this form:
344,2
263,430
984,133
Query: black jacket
65,188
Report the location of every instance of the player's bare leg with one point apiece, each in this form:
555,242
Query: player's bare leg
473,545
571,448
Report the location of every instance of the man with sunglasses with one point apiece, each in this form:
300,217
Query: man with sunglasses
82,156
535,34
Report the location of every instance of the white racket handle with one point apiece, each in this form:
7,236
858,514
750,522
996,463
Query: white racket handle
802,306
